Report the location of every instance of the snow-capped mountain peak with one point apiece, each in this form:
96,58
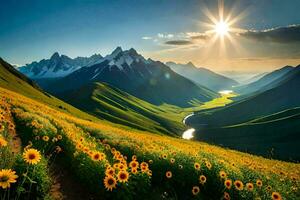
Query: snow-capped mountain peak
57,66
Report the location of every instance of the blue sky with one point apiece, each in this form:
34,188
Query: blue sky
34,29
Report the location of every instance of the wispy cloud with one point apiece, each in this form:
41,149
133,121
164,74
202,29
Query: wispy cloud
163,35
288,34
146,38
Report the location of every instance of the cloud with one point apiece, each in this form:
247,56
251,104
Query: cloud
146,38
179,42
288,34
162,35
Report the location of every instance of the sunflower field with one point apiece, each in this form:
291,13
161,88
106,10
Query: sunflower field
115,163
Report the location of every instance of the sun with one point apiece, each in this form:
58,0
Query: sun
221,28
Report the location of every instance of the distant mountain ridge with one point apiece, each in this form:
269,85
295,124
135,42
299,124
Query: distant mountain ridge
146,79
259,123
57,66
263,81
203,76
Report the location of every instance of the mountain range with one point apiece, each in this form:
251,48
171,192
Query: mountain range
146,79
203,76
57,66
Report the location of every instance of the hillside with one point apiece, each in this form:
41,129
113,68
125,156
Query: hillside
129,71
13,80
117,106
238,130
95,153
202,76
263,81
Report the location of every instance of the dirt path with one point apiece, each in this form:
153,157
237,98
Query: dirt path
66,186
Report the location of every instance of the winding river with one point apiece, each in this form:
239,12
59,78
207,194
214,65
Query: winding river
189,133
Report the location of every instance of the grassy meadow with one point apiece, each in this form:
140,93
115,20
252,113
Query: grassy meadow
111,162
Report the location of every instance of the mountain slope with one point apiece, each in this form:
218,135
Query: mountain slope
203,76
268,120
262,82
117,106
57,66
13,80
149,80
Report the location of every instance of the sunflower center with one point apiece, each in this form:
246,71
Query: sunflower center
110,181
31,156
123,176
4,178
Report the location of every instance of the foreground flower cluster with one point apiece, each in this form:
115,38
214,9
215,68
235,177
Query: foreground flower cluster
127,164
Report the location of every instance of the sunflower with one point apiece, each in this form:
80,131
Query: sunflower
123,176
276,196
96,156
7,176
133,157
238,185
180,166
172,160
45,138
249,186
110,183
259,183
134,170
269,188
197,166
110,171
208,165
195,190
134,164
32,156
150,161
202,179
164,156
228,184
226,196
169,174
3,142
222,174
59,137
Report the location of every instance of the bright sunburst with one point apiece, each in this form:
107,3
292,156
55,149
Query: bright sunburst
221,28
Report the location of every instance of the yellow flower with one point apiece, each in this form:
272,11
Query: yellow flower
110,183
222,174
259,183
249,186
197,166
202,179
276,196
45,138
228,184
134,170
96,156
169,174
172,160
59,137
226,196
123,176
7,176
3,142
32,156
239,185
195,190
110,171
134,164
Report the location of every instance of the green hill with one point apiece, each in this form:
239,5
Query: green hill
266,123
13,80
112,104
